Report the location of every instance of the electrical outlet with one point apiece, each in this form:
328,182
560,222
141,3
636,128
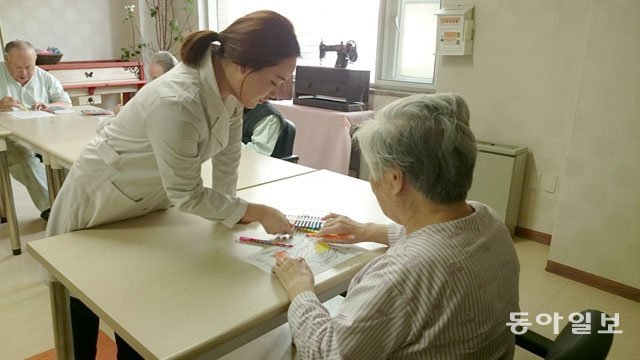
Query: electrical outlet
90,100
549,182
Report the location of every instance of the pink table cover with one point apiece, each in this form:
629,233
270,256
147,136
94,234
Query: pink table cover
323,137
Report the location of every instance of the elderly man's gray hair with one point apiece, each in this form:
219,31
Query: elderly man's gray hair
18,44
427,137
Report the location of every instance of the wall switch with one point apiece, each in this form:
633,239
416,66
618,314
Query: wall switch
534,180
549,182
90,100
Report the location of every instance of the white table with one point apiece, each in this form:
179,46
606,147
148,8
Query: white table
61,138
323,137
257,169
254,169
45,134
174,285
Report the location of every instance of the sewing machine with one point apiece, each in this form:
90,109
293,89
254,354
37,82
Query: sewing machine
346,53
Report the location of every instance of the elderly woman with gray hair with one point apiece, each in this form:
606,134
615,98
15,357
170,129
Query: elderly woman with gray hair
160,63
449,280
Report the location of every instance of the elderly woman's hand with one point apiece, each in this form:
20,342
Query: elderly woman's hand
352,231
341,225
294,275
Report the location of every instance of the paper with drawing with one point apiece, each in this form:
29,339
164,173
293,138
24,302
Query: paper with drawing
30,114
319,255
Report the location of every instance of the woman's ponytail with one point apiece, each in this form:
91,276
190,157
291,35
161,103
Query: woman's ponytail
196,45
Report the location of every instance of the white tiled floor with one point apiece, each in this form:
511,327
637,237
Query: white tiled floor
25,315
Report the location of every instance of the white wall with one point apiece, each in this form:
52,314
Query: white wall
521,86
598,221
81,29
562,78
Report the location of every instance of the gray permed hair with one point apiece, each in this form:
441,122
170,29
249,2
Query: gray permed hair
428,138
164,59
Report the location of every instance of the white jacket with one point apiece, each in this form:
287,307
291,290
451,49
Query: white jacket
149,156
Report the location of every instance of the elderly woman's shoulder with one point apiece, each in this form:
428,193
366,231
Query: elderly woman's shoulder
484,211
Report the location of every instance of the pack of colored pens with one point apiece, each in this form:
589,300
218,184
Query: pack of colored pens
306,222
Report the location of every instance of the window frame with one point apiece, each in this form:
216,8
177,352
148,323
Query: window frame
388,37
386,63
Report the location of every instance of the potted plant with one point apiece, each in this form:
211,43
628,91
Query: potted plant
171,21
50,56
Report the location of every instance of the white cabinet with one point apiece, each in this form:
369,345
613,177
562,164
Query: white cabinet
498,179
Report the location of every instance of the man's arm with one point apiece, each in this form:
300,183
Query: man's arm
56,93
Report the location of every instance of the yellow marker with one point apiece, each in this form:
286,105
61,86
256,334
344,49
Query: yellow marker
322,247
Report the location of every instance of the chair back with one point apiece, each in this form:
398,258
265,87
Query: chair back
569,345
592,345
284,145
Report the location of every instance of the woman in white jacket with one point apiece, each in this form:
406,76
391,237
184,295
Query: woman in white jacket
149,157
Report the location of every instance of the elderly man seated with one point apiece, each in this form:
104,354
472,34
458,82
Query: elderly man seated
449,279
24,86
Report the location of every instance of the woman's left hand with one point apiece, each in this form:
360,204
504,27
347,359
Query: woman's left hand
272,220
294,275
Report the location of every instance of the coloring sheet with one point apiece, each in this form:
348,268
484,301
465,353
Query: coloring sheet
30,114
320,255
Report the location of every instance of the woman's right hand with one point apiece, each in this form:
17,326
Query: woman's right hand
273,221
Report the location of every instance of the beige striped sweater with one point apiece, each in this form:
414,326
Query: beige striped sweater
442,292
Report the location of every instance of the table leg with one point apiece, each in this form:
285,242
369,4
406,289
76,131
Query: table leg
61,316
50,182
3,214
7,200
126,97
58,176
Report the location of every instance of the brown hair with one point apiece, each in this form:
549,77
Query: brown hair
257,40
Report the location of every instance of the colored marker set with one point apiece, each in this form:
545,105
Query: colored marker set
306,223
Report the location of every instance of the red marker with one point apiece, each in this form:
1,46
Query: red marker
264,242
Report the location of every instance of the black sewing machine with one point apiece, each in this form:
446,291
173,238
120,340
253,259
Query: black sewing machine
346,53
332,88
